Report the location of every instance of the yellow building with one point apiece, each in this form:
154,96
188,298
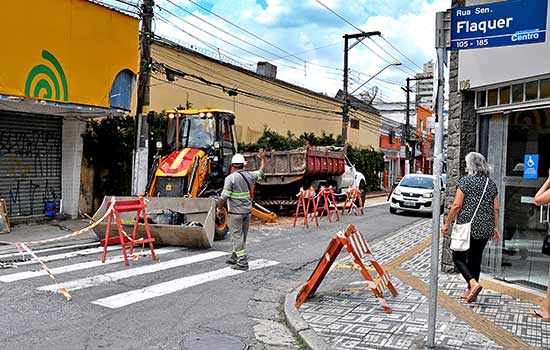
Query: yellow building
266,101
63,61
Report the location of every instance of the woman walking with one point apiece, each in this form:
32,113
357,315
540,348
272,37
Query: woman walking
475,202
541,198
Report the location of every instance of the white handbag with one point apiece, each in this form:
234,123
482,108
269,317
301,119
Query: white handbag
460,236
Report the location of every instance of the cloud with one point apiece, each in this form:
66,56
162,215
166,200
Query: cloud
293,26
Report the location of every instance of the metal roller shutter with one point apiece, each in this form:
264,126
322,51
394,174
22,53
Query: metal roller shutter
30,162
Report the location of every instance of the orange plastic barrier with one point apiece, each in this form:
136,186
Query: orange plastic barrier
326,198
306,202
121,206
353,201
358,248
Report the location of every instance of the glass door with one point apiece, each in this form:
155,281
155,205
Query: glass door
528,133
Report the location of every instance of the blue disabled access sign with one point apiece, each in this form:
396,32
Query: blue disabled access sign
531,166
515,22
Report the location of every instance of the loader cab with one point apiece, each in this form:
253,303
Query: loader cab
210,130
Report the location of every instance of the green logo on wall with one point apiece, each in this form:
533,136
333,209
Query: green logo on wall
43,82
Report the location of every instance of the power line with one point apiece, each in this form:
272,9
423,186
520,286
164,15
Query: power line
374,128
246,31
359,29
228,33
402,54
300,68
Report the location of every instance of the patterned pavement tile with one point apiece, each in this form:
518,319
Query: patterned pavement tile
351,318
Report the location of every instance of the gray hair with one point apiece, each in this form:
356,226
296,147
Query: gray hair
476,164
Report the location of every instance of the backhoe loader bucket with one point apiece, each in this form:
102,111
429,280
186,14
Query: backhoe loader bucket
199,210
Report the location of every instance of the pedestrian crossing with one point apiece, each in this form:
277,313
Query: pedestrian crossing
94,274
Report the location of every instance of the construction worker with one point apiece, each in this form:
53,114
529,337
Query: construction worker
237,194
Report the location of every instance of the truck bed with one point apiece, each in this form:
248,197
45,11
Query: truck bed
287,167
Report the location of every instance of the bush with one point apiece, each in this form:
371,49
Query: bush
108,147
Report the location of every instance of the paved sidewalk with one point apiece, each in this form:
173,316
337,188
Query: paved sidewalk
345,315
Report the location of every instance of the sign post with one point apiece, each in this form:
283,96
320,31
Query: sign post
442,42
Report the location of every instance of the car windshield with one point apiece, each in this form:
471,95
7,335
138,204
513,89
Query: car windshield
417,182
198,132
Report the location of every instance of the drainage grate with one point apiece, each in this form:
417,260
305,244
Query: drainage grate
213,342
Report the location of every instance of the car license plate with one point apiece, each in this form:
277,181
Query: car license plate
409,204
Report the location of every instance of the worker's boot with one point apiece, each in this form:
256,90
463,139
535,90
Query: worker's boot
242,260
243,266
232,260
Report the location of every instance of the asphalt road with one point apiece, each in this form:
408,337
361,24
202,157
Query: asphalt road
118,308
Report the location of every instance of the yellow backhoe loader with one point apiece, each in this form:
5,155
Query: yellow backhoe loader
195,159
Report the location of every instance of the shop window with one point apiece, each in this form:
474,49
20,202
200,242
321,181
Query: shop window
545,88
121,90
531,90
517,93
481,99
504,95
492,97
354,123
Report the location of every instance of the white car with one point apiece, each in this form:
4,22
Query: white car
414,193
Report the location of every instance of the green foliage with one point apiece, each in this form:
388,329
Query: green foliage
370,163
271,140
367,161
108,146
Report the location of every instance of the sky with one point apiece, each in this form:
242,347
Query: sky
304,39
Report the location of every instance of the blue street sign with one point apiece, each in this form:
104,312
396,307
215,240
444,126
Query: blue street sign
531,166
515,22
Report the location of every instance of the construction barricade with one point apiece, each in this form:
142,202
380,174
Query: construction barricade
306,206
353,201
326,199
359,250
122,206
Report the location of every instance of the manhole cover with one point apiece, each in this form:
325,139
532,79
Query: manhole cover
213,342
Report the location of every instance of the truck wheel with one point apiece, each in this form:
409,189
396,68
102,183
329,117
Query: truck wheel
363,189
222,225
392,210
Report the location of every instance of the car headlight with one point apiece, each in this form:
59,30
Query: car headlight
428,195
397,192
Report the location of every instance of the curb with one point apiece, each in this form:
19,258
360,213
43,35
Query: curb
299,327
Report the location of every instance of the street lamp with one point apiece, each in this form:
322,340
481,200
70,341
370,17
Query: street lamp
372,77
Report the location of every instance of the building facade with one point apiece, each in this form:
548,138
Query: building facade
500,107
425,86
264,100
61,64
424,141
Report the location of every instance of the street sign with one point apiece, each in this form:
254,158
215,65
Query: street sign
515,22
531,166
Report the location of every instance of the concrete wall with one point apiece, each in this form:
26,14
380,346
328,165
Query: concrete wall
71,161
253,114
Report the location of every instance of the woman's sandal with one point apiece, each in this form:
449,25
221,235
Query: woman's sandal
465,295
537,314
472,297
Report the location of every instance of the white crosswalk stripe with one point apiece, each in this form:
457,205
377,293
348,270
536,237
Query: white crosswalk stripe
40,251
123,274
78,263
80,266
68,255
157,290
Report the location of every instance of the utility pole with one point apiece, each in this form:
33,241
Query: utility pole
406,132
407,128
346,103
141,153
442,42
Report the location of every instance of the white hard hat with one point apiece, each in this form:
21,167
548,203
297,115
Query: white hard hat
238,159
